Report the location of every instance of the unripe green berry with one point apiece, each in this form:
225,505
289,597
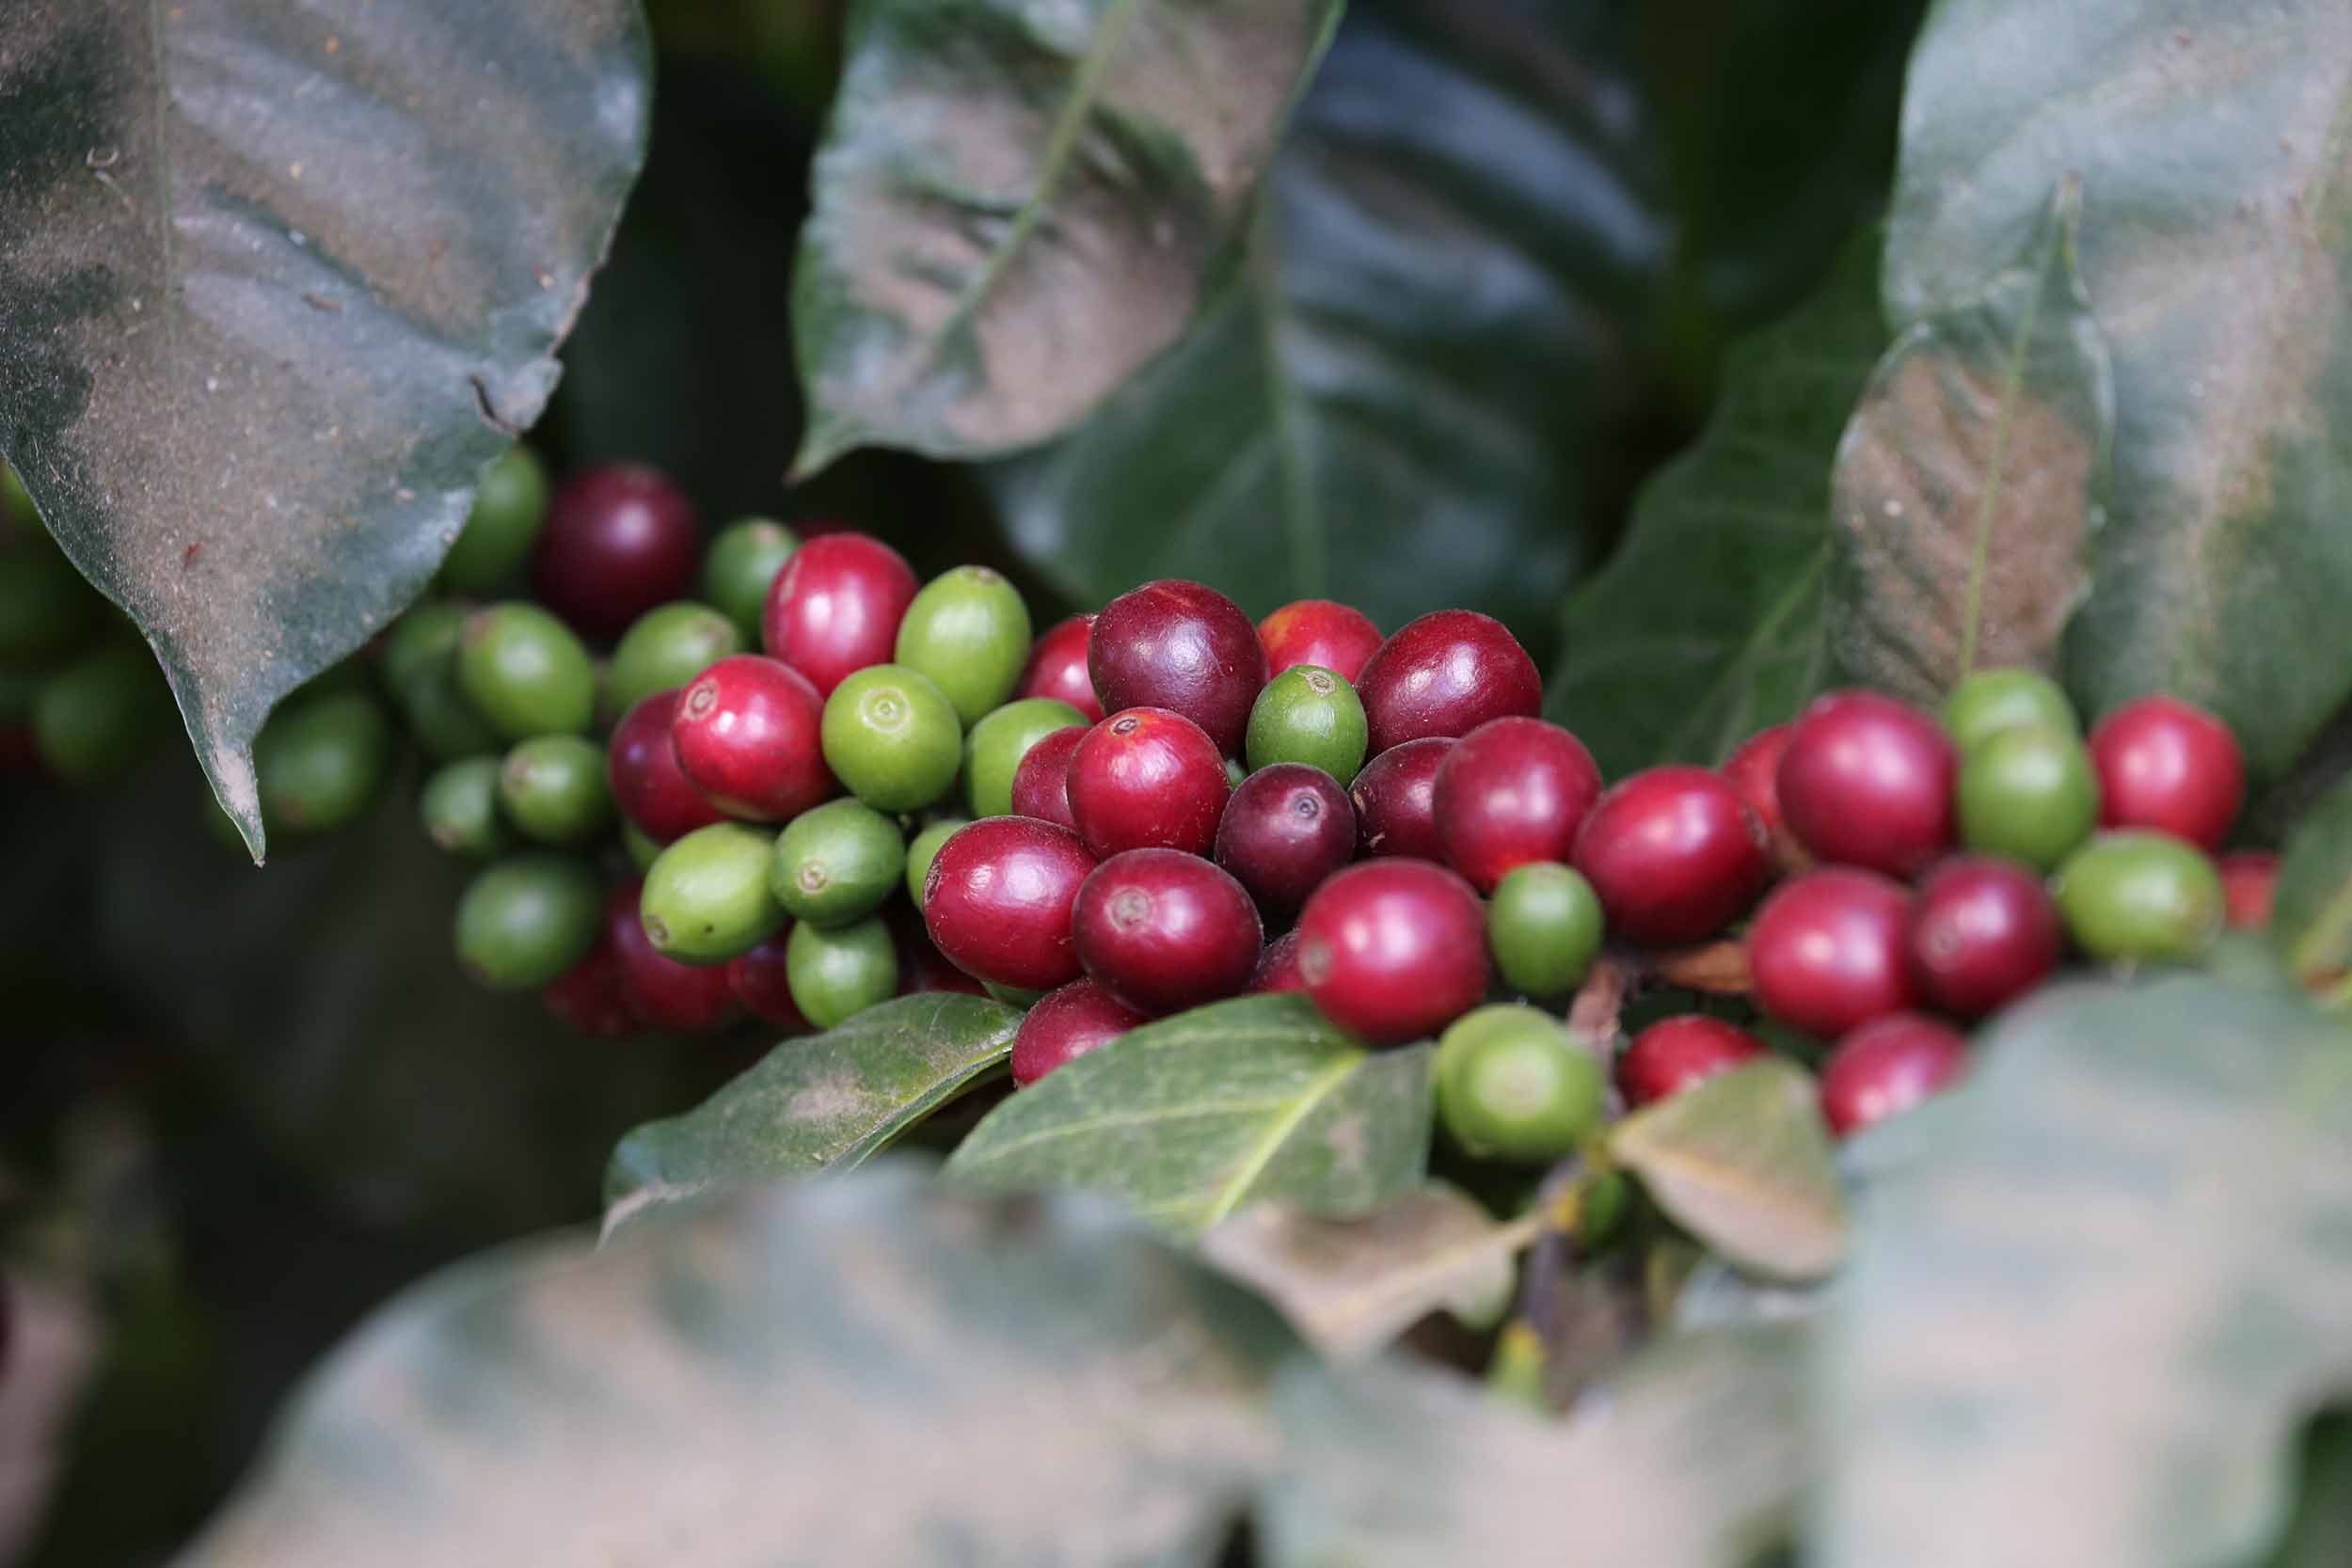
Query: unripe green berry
526,672
554,787
892,737
838,862
994,750
1013,996
924,847
1311,714
740,565
969,632
2027,792
667,646
836,974
1512,1085
459,808
98,716
2140,896
419,670
503,526
525,920
642,847
1990,700
706,897
320,758
1544,927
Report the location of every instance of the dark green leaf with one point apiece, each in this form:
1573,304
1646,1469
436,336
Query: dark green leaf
866,1371
823,1103
252,362
1190,1119
1707,626
2311,917
1016,206
2210,140
2086,1329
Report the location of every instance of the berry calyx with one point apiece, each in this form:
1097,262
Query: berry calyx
1983,932
1396,801
1445,674
998,900
2171,767
1829,951
1393,950
618,540
1675,854
1676,1054
1340,638
1163,930
1285,831
1866,781
1058,668
1885,1068
1065,1024
1184,647
1147,777
749,733
1512,792
836,606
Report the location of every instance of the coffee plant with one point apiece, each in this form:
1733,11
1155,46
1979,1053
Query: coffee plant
1492,781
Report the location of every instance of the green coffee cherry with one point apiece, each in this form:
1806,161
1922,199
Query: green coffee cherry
1013,996
527,919
101,713
526,672
836,974
892,738
641,847
2139,897
1991,701
1311,714
553,788
994,750
667,648
1235,774
838,862
924,849
969,632
1545,928
707,897
419,670
741,563
1512,1085
459,809
2027,792
45,607
320,759
503,525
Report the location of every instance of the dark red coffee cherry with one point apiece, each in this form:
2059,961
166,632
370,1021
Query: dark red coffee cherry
1512,792
1058,668
1183,647
1886,1067
1830,951
760,983
1445,674
1067,1023
1396,801
921,966
1673,1053
1868,780
1338,638
2250,882
750,733
649,785
1146,779
1286,828
1277,967
589,998
680,999
1673,853
836,605
999,898
1163,930
1754,771
1983,932
619,540
2168,766
1040,785
1393,950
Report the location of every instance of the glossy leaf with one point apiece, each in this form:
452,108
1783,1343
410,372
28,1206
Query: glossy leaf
1016,206
2311,915
836,1373
1968,482
2088,1329
253,364
1190,1119
2209,139
822,1102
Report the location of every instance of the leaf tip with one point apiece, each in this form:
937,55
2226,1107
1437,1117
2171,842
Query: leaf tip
828,439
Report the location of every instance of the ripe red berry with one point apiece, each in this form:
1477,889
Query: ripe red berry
921,966
1393,950
1066,1023
1040,785
1673,853
1277,967
1868,780
1512,792
619,540
1058,668
1754,771
1184,647
1886,1067
1396,801
1830,951
1146,779
1163,930
588,998
649,785
1286,828
2249,880
836,605
1673,1053
1982,932
2170,766
1445,674
1340,638
682,999
749,733
760,983
999,898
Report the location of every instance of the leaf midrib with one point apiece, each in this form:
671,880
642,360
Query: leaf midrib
1278,1132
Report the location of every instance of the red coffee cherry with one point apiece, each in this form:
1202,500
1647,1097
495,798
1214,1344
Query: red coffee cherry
1338,637
1754,771
1183,647
1887,1067
1830,951
1058,668
836,605
1673,1053
1673,853
2249,881
1068,1023
921,966
649,785
2170,766
1285,830
682,999
760,984
1512,792
1982,934
1277,967
1040,785
619,539
749,733
588,999
999,898
1163,930
1393,950
1445,674
1868,780
1146,779
1395,798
